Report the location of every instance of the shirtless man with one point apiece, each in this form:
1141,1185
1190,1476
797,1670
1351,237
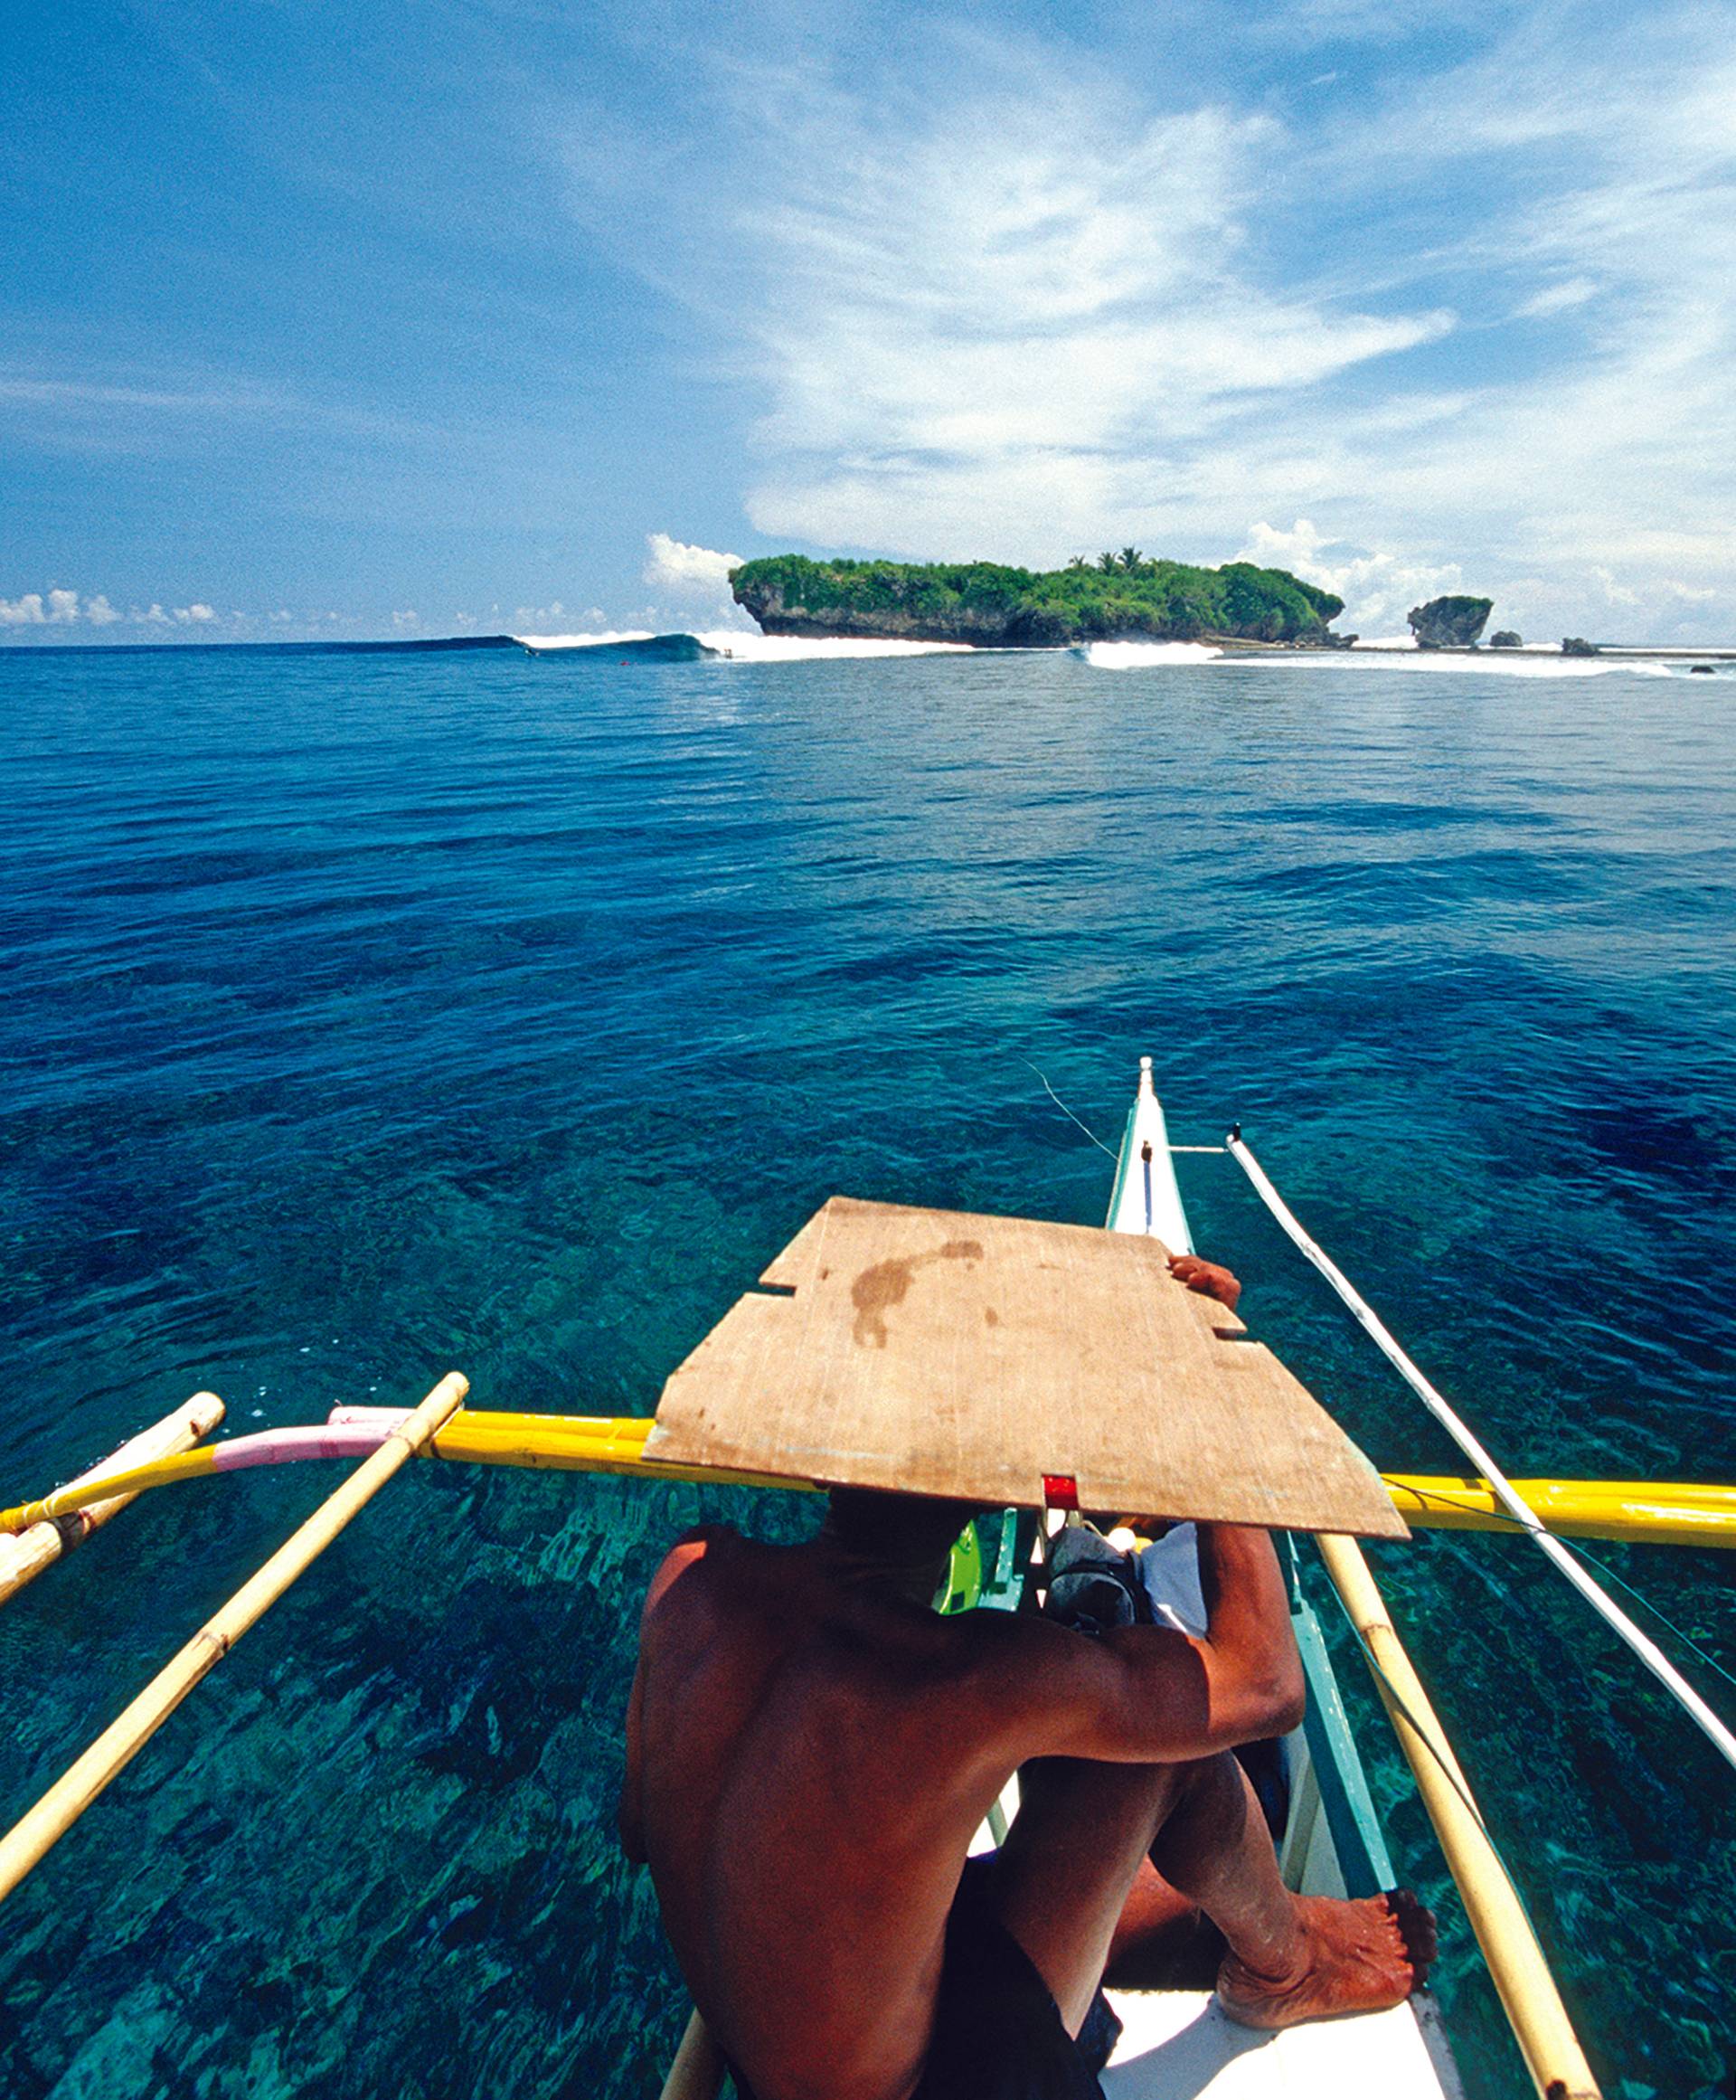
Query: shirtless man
810,1748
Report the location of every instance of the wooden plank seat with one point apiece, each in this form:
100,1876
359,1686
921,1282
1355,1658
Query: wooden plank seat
947,1353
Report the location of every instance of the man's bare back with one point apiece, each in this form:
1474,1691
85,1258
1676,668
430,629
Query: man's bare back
810,1749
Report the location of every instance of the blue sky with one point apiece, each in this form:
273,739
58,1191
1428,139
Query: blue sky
485,314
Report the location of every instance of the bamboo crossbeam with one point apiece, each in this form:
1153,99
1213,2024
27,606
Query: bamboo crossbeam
697,2071
23,1557
1516,1963
24,1845
1651,1512
574,1444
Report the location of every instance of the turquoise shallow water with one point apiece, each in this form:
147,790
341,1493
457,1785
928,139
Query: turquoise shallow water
366,1016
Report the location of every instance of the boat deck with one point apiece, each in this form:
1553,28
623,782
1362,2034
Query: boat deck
1178,2046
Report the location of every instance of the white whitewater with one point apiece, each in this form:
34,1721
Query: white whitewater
1533,661
583,641
745,646
1114,656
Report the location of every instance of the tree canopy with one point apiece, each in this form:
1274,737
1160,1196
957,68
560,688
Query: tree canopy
1122,594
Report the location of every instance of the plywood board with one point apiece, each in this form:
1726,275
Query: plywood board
944,1353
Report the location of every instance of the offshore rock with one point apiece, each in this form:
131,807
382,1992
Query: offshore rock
1449,623
1506,638
1574,645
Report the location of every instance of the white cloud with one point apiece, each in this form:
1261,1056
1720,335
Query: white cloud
1004,306
59,609
194,615
404,620
1557,299
99,613
1378,590
1011,312
688,571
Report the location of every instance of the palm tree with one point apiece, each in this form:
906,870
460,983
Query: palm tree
1131,558
1107,563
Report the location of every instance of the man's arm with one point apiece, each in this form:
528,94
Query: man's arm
630,1816
1150,1694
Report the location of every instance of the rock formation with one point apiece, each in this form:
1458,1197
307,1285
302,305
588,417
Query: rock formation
1449,623
1573,645
1506,638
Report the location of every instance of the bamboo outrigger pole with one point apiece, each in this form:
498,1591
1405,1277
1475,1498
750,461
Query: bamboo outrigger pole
1515,1962
1710,1724
66,1801
24,1557
697,2071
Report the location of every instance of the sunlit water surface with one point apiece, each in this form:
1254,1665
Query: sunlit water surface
367,1016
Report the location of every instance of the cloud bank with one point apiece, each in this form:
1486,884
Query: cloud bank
1474,322
687,570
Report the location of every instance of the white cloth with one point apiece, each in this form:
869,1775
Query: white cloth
1170,1569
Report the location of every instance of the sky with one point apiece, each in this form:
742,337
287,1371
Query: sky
445,316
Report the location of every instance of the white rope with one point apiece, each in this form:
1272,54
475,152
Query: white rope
1592,1591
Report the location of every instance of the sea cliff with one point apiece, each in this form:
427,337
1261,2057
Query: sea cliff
1119,597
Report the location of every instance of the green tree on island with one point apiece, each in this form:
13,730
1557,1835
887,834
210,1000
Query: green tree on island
1125,595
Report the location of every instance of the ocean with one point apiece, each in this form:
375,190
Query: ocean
371,1014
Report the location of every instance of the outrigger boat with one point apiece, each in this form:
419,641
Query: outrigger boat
1174,2042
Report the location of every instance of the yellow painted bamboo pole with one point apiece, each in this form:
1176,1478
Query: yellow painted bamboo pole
66,1801
1648,1512
1652,1512
574,1444
23,1557
1516,1963
697,2071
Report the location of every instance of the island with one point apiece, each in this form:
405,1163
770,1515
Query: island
1116,598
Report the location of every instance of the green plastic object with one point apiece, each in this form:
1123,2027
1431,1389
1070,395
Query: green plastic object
988,1570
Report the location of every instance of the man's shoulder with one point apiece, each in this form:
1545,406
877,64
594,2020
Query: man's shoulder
694,1555
1006,1648
707,1535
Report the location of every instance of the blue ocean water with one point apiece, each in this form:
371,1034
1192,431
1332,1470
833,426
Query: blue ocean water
366,1016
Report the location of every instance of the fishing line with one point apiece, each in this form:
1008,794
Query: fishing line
1574,1546
1068,1112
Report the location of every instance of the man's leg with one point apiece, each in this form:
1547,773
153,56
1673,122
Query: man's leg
1291,1957
1063,1875
1076,1846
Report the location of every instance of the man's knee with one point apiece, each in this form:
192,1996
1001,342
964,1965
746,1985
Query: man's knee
1208,1803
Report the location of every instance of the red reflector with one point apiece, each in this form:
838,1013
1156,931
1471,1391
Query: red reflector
1060,1492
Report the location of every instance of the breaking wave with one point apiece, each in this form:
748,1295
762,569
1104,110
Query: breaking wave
742,646
735,645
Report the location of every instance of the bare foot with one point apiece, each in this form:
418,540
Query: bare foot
1354,1957
1210,1279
